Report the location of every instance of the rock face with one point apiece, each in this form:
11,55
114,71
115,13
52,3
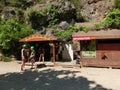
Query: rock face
66,9
60,11
95,10
63,25
91,10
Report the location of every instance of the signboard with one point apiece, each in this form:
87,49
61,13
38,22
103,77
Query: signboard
36,37
88,54
83,38
32,38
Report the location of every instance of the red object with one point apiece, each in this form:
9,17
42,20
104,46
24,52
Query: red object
82,38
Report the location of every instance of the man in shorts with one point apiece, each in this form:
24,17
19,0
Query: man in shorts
24,55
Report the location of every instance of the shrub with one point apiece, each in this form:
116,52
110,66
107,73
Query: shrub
32,12
97,26
11,31
112,19
67,33
84,28
5,58
53,13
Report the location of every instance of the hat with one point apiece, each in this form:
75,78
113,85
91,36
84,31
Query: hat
32,47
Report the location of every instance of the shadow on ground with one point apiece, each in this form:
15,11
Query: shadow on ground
48,79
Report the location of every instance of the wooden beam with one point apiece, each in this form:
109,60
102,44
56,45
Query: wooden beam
53,47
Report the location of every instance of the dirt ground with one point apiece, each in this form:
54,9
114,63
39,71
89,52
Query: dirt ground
57,78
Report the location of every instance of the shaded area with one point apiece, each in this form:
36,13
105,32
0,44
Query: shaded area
47,79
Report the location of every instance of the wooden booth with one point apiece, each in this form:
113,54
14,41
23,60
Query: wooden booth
99,48
38,40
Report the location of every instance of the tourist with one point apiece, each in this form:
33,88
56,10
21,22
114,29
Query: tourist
56,51
32,56
42,53
24,55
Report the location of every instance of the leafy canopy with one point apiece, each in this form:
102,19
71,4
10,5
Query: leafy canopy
11,31
112,19
67,33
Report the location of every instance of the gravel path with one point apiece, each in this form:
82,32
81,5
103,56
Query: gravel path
57,78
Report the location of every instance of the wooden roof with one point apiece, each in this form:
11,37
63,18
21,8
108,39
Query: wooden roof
102,34
38,37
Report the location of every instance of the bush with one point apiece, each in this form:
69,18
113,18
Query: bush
11,31
32,12
5,59
53,13
67,33
84,28
112,20
97,26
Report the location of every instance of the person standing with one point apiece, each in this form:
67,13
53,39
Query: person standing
57,52
78,59
32,56
24,55
42,53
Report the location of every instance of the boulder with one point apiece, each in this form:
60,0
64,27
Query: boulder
63,25
95,10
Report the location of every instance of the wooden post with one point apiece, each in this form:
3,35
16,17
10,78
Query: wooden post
53,53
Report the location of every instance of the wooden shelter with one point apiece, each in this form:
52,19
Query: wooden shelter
99,48
41,38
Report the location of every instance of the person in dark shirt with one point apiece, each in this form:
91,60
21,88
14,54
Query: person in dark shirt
56,52
42,53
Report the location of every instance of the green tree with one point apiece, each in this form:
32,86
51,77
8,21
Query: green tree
67,34
11,31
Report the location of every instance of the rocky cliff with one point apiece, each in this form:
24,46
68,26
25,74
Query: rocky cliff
61,11
96,10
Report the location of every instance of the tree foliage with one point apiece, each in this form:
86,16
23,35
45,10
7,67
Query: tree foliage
31,11
67,34
11,31
112,19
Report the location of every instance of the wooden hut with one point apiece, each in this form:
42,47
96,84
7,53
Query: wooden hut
40,39
99,48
